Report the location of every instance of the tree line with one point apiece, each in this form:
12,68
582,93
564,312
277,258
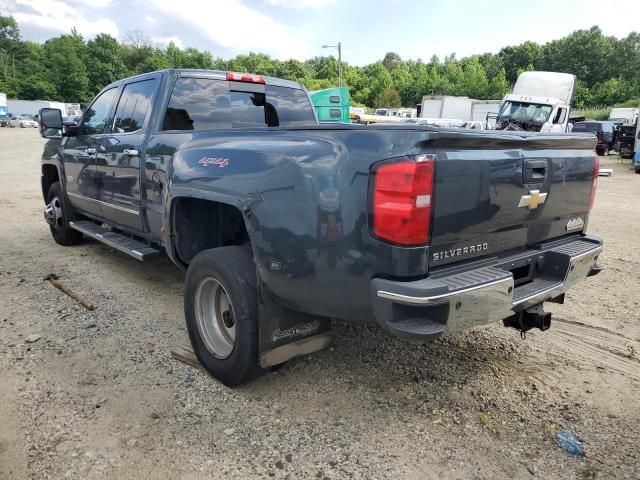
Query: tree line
71,69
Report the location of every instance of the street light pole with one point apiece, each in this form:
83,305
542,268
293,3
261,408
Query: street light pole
340,64
339,47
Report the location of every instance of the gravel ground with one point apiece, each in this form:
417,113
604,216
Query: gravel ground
96,394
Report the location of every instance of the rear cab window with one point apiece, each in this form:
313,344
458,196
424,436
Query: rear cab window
209,104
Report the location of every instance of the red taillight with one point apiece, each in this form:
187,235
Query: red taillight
402,200
245,77
594,182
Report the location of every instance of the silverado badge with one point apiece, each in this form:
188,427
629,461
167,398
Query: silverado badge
532,200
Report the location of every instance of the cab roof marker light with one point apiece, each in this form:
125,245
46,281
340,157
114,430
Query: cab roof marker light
245,77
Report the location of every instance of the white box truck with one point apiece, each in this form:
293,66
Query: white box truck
464,109
540,102
626,116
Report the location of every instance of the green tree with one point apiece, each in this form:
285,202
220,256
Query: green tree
499,87
588,54
518,57
610,92
64,58
33,81
105,62
389,97
582,95
475,83
391,61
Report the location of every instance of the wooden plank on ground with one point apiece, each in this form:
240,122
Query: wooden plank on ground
186,356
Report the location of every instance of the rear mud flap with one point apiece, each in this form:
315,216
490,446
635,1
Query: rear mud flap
285,333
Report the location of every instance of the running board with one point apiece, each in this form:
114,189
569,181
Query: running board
122,243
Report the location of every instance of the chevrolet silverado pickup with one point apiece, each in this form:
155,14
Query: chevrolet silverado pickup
282,224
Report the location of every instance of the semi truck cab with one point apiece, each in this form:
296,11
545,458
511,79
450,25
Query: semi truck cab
540,102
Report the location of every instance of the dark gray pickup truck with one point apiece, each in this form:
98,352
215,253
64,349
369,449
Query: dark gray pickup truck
282,224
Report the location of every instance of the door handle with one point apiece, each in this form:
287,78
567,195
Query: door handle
91,151
130,152
535,171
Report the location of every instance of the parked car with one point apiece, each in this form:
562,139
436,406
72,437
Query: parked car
282,224
604,130
625,140
24,121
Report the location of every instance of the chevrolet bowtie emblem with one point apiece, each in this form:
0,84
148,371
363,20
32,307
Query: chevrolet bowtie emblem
532,200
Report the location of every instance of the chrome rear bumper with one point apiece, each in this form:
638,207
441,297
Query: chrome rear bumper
427,308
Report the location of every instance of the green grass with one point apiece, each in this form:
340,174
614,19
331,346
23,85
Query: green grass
597,113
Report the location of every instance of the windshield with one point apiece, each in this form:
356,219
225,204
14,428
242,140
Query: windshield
525,112
381,111
26,117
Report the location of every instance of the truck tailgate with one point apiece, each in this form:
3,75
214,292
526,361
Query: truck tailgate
497,192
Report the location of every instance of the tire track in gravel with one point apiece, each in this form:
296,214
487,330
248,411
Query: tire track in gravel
600,347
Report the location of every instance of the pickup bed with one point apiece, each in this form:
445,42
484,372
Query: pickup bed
282,224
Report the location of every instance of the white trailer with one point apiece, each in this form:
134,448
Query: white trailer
32,107
627,116
485,111
460,108
446,106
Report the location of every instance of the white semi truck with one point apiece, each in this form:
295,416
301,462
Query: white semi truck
540,102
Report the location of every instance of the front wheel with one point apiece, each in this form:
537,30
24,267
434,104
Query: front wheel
221,310
58,213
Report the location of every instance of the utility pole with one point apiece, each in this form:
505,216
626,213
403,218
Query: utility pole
339,47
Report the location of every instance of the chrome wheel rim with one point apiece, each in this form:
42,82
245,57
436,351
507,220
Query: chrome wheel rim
53,213
215,318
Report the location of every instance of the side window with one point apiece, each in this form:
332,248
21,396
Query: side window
133,106
198,104
96,119
560,116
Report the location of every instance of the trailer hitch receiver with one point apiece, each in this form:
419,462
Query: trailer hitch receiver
534,317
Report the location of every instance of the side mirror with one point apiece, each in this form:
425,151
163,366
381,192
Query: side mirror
50,123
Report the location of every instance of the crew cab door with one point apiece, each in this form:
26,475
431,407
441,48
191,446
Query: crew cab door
80,154
120,161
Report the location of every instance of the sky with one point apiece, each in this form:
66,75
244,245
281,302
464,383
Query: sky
297,29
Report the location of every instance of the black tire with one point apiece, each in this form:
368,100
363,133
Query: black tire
637,169
233,268
62,233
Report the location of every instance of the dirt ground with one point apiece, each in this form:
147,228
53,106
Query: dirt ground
97,395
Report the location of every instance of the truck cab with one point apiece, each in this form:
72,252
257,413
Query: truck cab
540,102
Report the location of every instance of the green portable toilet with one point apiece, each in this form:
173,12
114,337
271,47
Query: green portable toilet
331,104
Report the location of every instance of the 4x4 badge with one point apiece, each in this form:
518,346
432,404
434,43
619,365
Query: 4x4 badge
532,200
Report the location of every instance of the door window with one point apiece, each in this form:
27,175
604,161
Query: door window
96,119
133,106
560,116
